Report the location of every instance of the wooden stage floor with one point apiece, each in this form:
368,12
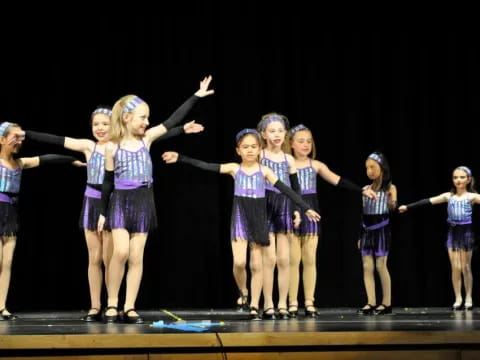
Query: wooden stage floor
417,333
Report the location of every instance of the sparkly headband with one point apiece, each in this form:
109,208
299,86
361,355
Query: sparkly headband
375,157
466,169
107,112
3,127
272,118
132,104
247,131
298,128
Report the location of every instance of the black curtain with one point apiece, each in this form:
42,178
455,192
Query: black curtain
411,95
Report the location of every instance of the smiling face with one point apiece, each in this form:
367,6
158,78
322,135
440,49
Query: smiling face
137,121
249,148
460,179
274,134
101,127
302,143
374,171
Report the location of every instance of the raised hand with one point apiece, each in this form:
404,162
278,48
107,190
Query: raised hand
170,157
203,90
192,127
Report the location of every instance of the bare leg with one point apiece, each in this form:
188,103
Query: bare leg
7,248
256,269
309,261
295,258
239,251
283,266
381,265
269,260
369,280
456,265
107,252
121,250
95,276
466,261
135,270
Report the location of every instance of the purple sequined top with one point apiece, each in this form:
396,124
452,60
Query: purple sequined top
96,167
459,210
132,168
307,177
376,207
10,180
251,186
281,169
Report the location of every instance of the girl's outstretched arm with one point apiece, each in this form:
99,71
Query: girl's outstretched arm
342,182
80,145
155,132
171,157
297,199
32,162
429,201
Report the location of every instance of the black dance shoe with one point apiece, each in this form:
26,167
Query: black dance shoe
283,314
269,314
110,318
366,311
254,315
293,310
243,304
136,319
385,311
457,307
311,311
468,306
93,317
8,317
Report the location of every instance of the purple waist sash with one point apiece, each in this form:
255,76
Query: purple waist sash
377,226
93,193
461,222
5,198
130,184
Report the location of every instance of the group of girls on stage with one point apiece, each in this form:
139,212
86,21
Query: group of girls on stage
275,214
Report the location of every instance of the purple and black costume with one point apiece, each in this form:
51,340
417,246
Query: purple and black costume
460,232
375,232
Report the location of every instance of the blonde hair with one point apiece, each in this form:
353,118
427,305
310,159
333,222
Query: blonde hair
117,126
270,117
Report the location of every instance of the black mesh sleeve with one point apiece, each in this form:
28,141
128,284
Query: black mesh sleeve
199,163
349,185
45,138
180,113
107,188
295,187
55,159
178,130
297,199
418,203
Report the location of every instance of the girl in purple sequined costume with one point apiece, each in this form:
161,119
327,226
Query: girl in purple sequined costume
249,213
131,208
11,139
273,128
374,242
99,244
305,239
460,238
